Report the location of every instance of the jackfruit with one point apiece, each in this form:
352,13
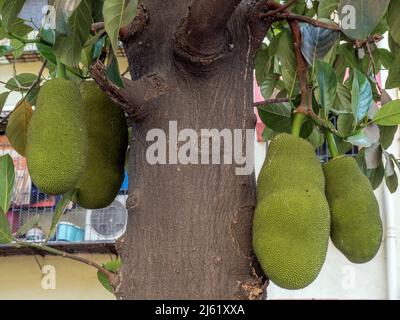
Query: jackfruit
356,226
291,223
108,141
57,138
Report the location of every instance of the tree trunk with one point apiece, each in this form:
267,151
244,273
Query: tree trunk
189,226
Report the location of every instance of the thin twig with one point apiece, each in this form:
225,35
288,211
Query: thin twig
279,10
272,101
314,22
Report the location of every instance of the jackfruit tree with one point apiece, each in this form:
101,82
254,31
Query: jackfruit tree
325,69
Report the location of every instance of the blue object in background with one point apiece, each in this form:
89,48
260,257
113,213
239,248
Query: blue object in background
124,186
69,232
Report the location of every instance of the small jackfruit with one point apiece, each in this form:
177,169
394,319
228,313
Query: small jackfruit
291,222
356,226
108,141
57,138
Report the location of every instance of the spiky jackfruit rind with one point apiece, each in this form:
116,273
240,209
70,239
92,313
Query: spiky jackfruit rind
356,225
108,140
57,138
292,222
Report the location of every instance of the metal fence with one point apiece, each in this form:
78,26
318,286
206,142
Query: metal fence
76,225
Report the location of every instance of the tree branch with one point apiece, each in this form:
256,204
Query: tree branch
304,106
278,10
113,278
272,101
135,94
315,23
203,36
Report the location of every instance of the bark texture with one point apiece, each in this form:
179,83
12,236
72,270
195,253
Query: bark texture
189,226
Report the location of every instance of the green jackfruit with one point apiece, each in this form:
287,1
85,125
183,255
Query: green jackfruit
291,222
108,141
356,226
57,138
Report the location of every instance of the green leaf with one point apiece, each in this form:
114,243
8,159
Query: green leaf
268,85
25,80
277,116
7,178
327,83
393,80
326,8
68,48
118,14
391,179
316,42
112,266
288,61
345,124
375,176
28,225
359,18
359,140
10,12
64,10
387,135
18,48
389,114
393,20
18,27
60,209
361,98
5,50
17,127
5,231
47,52
342,103
113,72
3,99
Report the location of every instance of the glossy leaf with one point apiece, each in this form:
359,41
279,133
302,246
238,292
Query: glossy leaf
68,48
361,98
373,156
10,11
18,27
342,103
375,176
359,140
288,60
391,178
277,116
118,14
345,124
316,42
17,127
359,18
5,231
389,114
64,10
327,84
7,178
5,50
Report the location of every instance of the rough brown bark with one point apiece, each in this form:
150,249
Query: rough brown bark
189,226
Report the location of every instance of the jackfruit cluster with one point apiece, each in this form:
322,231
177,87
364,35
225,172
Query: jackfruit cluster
108,140
356,227
57,141
77,139
292,221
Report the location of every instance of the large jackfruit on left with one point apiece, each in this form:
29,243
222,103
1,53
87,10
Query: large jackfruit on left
57,138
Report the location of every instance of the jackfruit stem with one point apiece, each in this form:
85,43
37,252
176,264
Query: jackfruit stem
298,123
333,150
61,70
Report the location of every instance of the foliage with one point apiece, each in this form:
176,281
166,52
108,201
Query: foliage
343,69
